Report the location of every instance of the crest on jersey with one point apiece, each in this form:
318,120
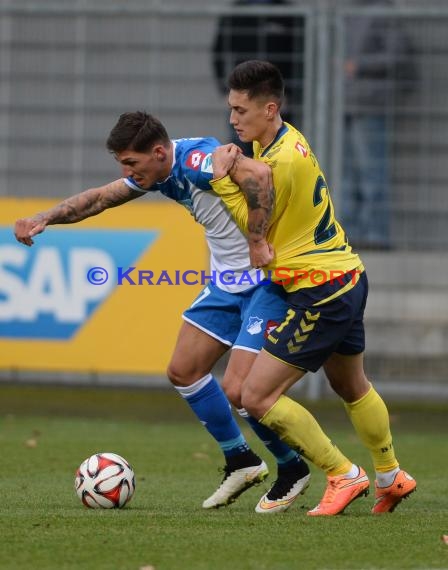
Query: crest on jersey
195,159
301,149
254,326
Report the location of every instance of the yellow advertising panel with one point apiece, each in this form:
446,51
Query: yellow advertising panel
102,295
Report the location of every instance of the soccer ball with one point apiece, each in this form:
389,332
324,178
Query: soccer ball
105,481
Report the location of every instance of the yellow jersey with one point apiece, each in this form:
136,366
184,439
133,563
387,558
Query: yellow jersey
310,245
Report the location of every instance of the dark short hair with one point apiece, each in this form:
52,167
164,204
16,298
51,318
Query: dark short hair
138,131
258,78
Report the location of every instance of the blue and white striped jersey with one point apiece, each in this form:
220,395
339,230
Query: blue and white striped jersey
189,185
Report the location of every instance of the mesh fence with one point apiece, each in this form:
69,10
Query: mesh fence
368,87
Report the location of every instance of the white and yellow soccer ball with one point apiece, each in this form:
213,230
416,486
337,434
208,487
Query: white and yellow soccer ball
105,481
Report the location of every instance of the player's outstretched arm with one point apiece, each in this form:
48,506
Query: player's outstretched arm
74,209
254,178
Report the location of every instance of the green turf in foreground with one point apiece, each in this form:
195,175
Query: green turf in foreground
44,526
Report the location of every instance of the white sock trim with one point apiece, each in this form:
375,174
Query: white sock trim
386,478
186,391
354,472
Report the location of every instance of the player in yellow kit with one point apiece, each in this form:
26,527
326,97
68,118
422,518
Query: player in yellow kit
285,209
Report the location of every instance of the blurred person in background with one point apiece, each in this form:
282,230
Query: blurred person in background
379,71
279,38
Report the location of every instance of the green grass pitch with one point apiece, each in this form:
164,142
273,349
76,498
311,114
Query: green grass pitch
45,433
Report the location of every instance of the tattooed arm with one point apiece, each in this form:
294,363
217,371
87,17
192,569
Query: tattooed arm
76,208
254,178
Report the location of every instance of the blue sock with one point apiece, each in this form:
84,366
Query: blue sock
208,401
285,456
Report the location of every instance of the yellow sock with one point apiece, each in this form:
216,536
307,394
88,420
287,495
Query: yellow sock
370,419
298,428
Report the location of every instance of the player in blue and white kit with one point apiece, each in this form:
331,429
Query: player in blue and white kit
232,311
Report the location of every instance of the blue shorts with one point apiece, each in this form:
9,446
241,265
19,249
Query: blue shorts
242,320
311,331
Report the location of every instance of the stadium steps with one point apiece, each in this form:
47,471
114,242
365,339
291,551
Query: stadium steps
407,322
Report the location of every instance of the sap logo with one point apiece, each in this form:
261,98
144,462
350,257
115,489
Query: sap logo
44,290
54,283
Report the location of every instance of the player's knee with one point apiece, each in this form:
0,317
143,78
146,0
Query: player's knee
350,389
251,403
179,375
232,391
173,375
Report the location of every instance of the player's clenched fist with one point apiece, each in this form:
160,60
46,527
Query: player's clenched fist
223,159
261,253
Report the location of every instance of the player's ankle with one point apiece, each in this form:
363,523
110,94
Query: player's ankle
386,478
241,460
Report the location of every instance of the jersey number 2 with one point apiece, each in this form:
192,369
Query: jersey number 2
324,230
